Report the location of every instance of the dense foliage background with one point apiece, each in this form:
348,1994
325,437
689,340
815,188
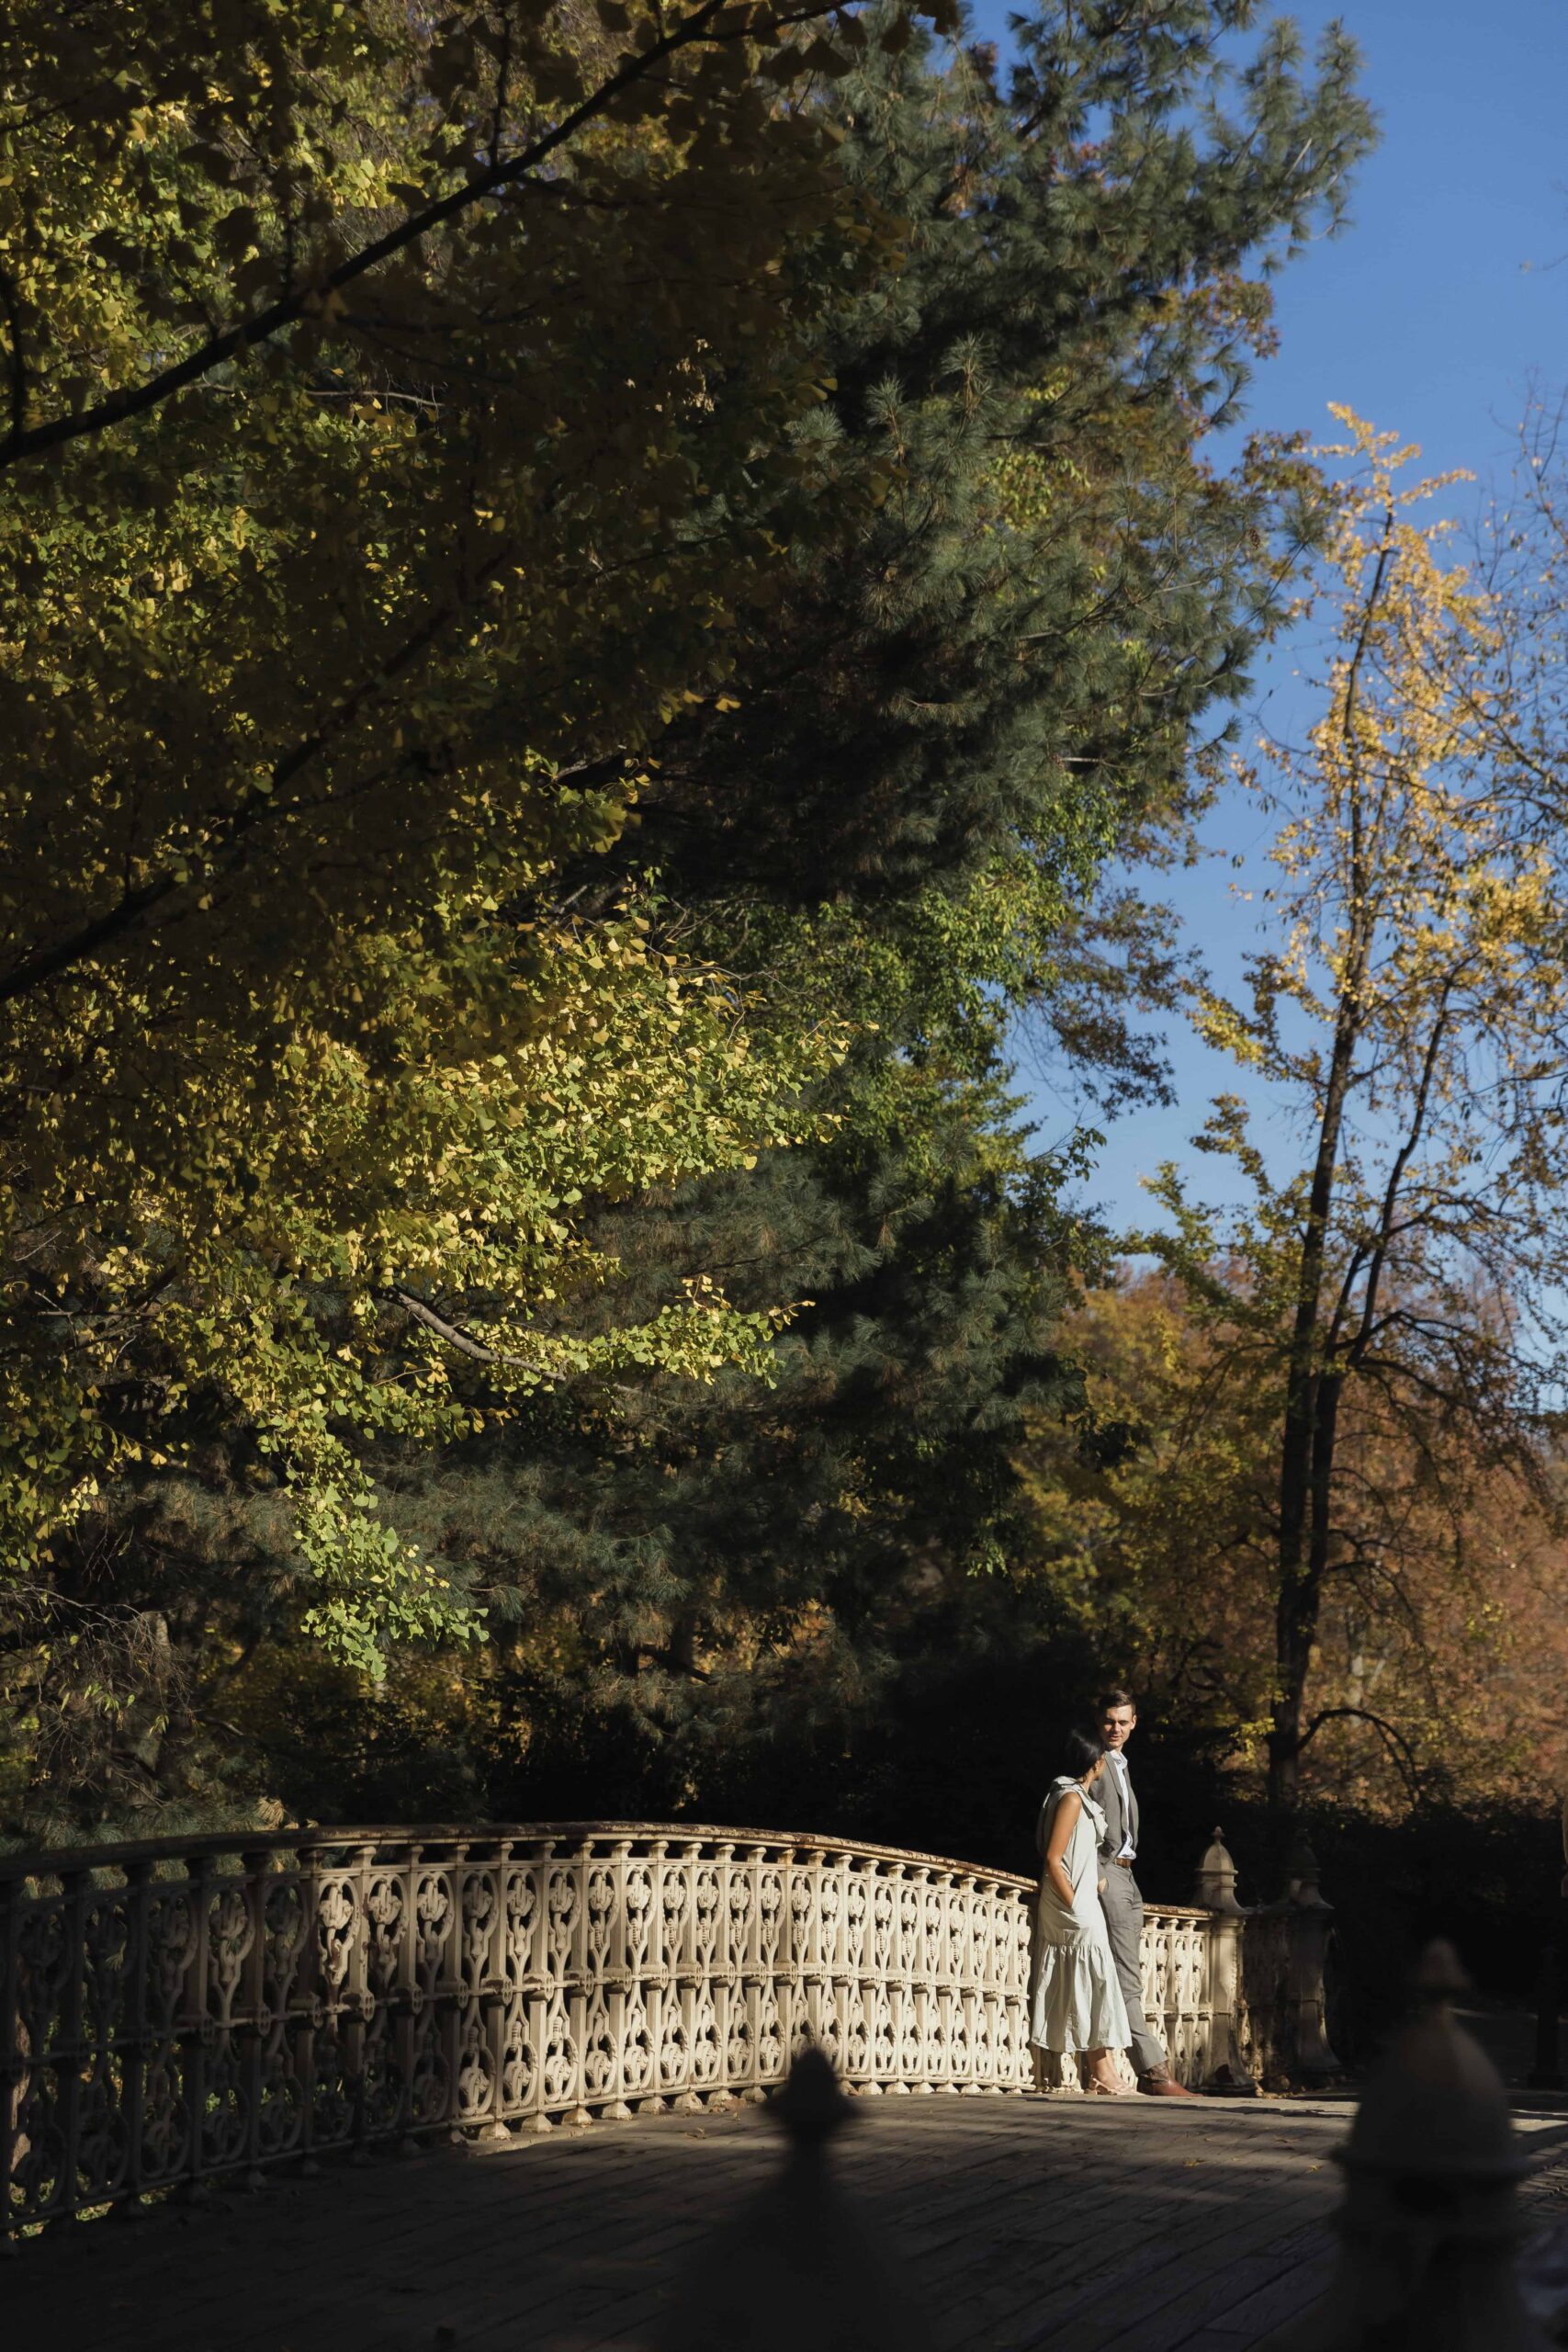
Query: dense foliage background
598,607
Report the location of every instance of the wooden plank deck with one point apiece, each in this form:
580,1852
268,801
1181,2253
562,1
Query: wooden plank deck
1145,2225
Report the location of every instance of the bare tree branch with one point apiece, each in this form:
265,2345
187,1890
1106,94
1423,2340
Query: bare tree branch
456,1337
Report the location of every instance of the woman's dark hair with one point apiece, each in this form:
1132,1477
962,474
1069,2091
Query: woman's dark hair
1078,1751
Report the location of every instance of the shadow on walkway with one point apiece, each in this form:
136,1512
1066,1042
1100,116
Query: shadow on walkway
1163,2226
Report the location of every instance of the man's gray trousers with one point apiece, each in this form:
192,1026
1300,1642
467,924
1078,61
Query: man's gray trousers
1125,1924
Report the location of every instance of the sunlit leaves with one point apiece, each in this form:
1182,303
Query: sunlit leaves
391,448
1405,1263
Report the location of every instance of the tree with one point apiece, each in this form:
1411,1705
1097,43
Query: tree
1002,663
398,411
1413,1009
1436,1664
953,459
1026,401
967,699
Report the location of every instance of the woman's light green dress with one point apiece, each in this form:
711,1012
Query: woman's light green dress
1077,2001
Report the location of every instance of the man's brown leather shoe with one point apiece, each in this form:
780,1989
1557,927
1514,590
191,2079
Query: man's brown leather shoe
1161,2084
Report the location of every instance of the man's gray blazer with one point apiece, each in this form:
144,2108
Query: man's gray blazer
1119,1820
1124,1911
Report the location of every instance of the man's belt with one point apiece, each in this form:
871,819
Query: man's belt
1123,1861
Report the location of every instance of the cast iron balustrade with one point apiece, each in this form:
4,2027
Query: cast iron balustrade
173,2012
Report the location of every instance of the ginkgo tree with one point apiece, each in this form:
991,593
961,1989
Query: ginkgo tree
397,421
1409,1013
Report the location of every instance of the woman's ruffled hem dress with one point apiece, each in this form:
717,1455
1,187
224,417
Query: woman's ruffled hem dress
1077,2002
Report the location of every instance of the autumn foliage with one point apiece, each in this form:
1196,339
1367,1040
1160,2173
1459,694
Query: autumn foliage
592,597
1440,1644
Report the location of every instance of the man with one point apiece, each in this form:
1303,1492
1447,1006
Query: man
1118,1717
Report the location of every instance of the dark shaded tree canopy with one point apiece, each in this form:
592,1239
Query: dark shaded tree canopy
1005,603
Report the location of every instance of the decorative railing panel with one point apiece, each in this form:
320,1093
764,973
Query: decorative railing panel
173,2013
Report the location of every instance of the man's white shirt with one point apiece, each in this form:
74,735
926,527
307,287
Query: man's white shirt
1118,1764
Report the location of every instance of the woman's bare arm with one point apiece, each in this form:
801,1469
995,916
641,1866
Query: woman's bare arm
1069,1807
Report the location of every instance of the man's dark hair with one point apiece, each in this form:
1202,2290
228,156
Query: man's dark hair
1078,1751
1109,1699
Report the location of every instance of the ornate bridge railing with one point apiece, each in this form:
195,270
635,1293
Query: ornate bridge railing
173,2012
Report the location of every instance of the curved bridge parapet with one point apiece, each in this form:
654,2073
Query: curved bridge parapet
174,2012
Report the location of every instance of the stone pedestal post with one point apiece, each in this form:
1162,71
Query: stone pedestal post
1310,1920
1215,1890
1429,2227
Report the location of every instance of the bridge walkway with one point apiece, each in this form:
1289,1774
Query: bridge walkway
1149,2226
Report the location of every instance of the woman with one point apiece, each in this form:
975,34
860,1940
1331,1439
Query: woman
1077,2001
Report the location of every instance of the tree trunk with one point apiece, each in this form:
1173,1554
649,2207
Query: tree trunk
1304,1466
1301,1602
1306,1450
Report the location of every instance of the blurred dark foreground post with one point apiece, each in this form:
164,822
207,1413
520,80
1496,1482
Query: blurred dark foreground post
1429,2227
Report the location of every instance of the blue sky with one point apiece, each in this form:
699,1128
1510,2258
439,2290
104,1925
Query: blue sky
1433,315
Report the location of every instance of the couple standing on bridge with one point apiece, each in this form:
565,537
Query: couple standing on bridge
1088,1994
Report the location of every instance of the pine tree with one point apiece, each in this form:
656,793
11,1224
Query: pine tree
959,711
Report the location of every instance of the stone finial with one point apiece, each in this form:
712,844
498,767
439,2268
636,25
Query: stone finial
1215,1889
1303,1875
1436,2109
1428,2228
1440,1979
